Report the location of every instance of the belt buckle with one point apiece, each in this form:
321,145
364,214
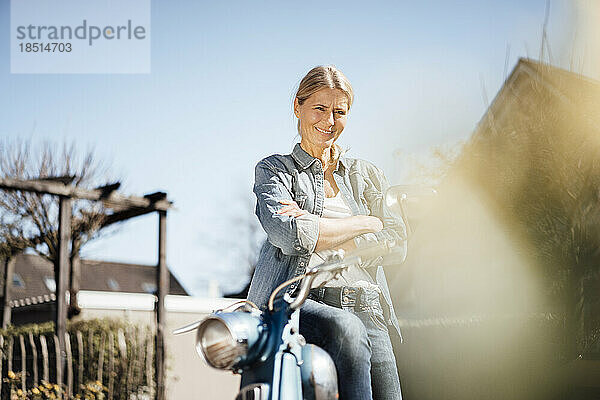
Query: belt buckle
348,296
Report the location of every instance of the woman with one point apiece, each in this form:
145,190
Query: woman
313,201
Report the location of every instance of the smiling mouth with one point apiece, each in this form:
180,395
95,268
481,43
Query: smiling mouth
324,131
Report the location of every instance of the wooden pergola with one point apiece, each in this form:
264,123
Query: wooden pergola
123,207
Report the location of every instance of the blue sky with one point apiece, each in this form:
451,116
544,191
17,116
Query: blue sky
218,99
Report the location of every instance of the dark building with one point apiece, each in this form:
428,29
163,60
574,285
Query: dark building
33,296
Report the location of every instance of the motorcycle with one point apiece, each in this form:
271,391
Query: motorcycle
266,348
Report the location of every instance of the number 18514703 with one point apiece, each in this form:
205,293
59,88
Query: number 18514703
54,47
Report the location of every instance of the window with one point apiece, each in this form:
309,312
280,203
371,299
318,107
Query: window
112,284
18,282
149,287
50,283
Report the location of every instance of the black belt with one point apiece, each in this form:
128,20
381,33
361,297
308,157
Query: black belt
344,296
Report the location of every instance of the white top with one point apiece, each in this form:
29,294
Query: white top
335,207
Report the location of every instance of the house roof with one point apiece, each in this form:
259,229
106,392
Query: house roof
34,277
576,91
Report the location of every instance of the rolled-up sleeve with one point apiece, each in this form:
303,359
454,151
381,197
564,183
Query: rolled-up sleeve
293,235
394,228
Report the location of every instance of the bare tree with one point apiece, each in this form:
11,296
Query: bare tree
33,218
239,241
30,220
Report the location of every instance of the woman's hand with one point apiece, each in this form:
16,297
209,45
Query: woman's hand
347,246
291,209
369,223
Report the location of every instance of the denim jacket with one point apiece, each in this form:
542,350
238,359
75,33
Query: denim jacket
291,240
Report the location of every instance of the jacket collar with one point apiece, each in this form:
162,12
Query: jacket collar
305,160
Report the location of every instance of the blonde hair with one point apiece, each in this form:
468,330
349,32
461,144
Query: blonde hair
324,77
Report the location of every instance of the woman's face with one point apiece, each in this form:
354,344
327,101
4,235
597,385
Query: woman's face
322,117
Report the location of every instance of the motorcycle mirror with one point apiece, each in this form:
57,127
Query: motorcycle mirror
402,199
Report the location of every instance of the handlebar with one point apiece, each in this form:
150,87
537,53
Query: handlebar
310,276
338,262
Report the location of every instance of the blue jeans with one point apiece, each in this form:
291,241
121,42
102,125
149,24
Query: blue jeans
359,344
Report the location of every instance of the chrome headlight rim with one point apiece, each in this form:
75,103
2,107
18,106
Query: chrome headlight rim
238,345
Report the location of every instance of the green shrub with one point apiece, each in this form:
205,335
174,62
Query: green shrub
123,365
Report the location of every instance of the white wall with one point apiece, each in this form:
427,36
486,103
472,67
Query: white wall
188,377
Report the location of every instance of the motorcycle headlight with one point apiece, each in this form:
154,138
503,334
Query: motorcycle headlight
229,340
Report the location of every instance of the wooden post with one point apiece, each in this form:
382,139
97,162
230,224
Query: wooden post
131,360
101,357
35,359
9,270
9,358
80,361
59,359
75,279
23,363
111,365
62,276
1,357
162,285
90,345
45,366
149,372
122,343
69,365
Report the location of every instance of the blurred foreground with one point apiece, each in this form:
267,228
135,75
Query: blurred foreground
500,294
